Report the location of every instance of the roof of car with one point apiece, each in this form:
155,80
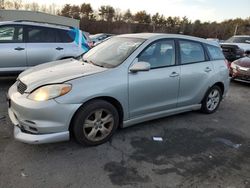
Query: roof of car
34,23
241,35
162,35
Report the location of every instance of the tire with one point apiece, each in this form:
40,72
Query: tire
95,123
212,99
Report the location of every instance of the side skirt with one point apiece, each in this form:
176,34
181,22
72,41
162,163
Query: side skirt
160,114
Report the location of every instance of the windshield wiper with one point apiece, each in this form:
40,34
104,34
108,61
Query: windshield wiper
95,64
91,62
85,60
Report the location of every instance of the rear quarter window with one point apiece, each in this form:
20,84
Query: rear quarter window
191,52
41,35
66,36
215,52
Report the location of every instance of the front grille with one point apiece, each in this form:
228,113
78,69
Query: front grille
21,87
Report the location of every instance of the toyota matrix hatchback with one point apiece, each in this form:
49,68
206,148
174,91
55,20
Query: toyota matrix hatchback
123,81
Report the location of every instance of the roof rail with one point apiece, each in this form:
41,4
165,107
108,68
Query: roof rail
44,23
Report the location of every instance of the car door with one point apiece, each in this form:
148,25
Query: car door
70,41
12,48
157,89
196,71
42,45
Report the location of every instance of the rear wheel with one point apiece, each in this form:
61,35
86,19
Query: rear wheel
211,100
95,123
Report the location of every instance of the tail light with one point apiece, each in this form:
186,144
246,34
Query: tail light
239,53
227,63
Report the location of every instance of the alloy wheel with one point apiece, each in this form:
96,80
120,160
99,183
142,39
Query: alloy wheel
213,99
98,125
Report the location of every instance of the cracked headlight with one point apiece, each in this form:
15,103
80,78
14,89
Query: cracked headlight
48,92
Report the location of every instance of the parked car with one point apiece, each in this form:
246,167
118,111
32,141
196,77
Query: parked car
240,69
24,44
123,81
235,47
214,39
89,41
97,38
99,42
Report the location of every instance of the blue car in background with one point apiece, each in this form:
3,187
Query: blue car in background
100,37
24,44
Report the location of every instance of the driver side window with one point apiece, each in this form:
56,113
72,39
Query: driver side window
159,54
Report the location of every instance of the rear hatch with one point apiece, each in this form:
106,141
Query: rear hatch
231,51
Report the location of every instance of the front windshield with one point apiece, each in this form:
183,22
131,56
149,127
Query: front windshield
238,40
112,52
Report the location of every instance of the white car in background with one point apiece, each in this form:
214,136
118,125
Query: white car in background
235,47
24,44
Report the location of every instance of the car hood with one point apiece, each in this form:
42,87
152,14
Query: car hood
57,72
243,46
243,62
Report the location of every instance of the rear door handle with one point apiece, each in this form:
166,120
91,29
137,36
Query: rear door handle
174,74
19,49
208,69
59,48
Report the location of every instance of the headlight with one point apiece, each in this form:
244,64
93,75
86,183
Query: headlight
48,92
233,65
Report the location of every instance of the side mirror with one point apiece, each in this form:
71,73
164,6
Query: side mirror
140,66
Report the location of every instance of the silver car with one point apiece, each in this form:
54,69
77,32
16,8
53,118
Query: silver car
123,81
24,44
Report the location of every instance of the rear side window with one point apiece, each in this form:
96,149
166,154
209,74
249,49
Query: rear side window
41,35
215,52
66,36
191,52
11,34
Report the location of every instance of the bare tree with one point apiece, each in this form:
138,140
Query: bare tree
118,15
17,4
75,12
52,8
86,11
8,5
1,4
128,17
66,11
27,6
43,8
34,6
142,17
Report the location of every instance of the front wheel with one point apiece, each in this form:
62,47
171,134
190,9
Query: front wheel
211,100
95,123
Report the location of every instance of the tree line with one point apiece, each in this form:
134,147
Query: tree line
107,19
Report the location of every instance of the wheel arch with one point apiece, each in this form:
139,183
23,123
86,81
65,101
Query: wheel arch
109,99
219,84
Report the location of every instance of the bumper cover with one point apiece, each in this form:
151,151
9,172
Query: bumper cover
240,74
39,122
30,138
40,139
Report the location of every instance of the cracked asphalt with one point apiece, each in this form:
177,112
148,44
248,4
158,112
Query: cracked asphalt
197,150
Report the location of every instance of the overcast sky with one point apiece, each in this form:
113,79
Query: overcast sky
205,10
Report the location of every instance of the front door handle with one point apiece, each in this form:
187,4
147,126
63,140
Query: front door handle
208,69
174,74
19,48
59,48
